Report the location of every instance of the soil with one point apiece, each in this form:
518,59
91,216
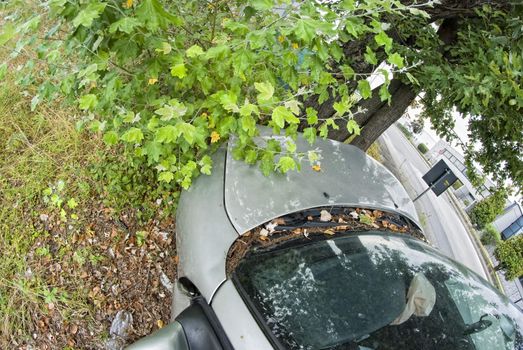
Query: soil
120,267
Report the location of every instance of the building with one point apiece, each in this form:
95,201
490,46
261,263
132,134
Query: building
466,194
510,222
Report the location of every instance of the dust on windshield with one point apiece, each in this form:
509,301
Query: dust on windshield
374,291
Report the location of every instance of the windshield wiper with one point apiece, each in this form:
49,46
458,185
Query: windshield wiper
479,326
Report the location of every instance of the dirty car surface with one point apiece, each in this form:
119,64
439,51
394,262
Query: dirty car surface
320,260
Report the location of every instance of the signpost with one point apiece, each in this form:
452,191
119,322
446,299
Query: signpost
439,178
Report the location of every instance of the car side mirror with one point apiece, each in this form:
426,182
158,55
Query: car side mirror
169,337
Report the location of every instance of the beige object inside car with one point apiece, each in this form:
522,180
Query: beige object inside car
421,298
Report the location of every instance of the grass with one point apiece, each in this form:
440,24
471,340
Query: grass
37,151
375,152
404,130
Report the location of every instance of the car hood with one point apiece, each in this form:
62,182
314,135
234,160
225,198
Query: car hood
348,177
237,197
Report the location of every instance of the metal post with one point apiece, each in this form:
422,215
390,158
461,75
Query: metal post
432,185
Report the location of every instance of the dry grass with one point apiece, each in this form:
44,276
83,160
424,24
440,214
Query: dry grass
36,150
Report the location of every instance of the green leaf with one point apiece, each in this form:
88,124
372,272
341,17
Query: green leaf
88,102
228,101
280,115
248,124
267,163
370,56
353,127
167,134
262,4
111,138
347,71
188,131
305,30
154,151
154,16
384,93
251,156
206,165
3,70
366,219
382,39
194,51
174,110
396,60
179,71
294,106
86,16
285,164
217,51
9,31
364,89
71,203
166,176
247,109
341,107
265,89
133,135
312,116
310,135
124,25
418,12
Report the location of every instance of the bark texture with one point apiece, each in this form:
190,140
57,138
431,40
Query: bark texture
374,115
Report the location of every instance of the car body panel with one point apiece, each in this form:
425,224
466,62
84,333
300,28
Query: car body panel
348,177
203,231
215,209
237,321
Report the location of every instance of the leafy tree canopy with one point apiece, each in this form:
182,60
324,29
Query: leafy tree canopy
510,255
172,80
488,209
169,81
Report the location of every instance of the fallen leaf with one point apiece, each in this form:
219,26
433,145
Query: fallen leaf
325,216
159,323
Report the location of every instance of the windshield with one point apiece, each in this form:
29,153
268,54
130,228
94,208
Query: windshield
374,291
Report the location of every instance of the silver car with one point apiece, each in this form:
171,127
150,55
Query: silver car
330,257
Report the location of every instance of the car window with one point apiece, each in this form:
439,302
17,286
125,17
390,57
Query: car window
374,291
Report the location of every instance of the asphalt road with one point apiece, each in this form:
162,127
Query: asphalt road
438,216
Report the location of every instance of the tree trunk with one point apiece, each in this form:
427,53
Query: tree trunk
376,116
384,117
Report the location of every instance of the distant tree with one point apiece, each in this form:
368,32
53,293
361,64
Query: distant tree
486,210
417,126
490,235
510,256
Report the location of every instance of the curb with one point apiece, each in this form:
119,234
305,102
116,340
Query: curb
486,262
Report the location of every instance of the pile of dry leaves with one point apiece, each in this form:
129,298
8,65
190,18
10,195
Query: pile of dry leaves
105,268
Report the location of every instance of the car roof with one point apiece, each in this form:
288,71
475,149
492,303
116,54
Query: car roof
237,197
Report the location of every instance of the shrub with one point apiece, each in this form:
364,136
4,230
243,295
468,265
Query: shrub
510,256
404,130
423,148
167,82
486,210
490,235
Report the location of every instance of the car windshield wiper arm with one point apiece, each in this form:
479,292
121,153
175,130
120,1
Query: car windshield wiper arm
479,326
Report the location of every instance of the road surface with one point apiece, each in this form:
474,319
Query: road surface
438,216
